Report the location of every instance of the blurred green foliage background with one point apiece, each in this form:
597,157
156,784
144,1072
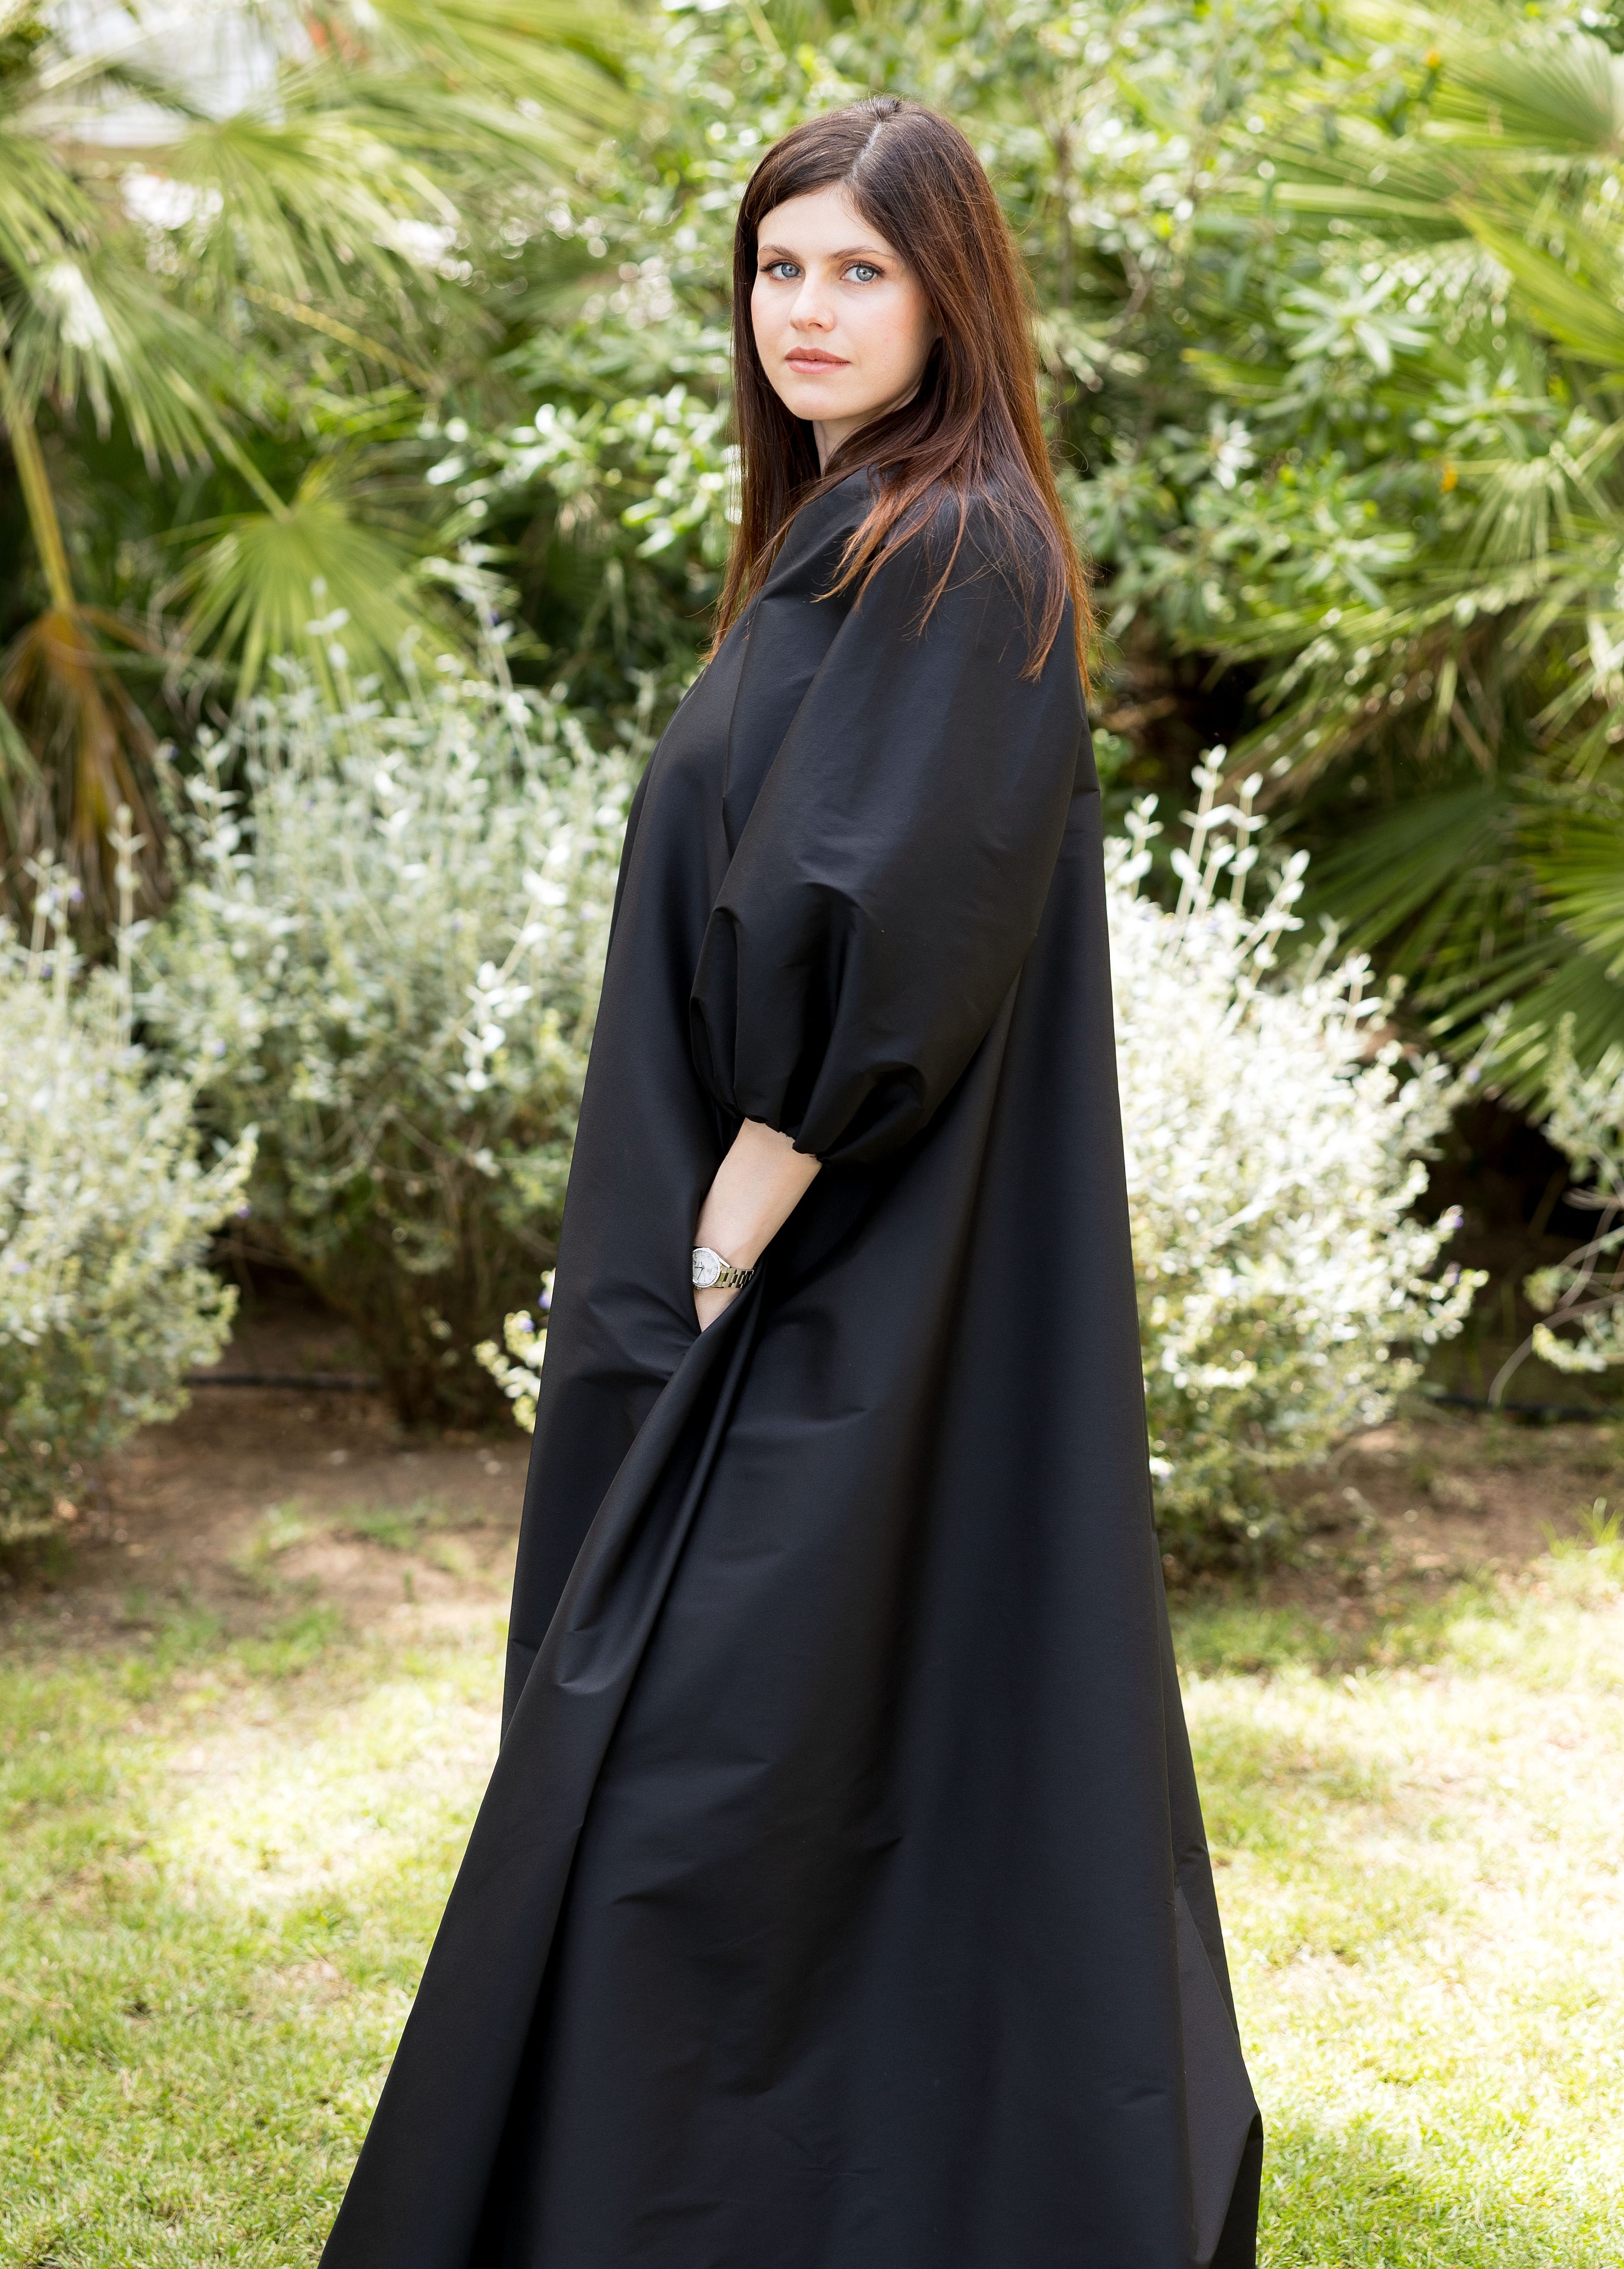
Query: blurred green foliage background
372,333
410,315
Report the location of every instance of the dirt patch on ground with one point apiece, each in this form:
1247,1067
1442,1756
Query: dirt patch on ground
1434,1498
1458,1493
259,1496
255,1495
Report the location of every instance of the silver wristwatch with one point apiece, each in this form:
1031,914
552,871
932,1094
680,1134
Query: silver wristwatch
711,1269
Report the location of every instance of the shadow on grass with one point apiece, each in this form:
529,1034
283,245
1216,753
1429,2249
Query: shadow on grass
1234,1634
1231,1632
1355,2199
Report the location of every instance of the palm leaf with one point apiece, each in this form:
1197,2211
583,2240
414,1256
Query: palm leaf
1533,109
1550,94
42,208
87,739
561,54
1581,877
95,325
504,44
1574,305
21,780
314,184
1406,186
1573,984
1420,864
261,583
308,200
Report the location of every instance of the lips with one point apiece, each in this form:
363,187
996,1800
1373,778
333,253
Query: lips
804,360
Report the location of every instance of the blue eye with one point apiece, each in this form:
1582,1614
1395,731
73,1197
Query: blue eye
862,270
776,267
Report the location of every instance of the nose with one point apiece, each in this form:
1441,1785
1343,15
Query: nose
810,310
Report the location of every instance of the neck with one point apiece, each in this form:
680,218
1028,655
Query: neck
831,433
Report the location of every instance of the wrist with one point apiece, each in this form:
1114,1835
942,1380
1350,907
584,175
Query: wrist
709,1306
733,1239
715,1271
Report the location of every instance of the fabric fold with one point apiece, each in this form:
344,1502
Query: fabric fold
454,2069
1219,2103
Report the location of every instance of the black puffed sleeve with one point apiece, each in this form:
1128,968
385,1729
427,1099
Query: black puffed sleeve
889,881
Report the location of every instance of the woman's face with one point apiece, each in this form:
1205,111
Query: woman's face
842,325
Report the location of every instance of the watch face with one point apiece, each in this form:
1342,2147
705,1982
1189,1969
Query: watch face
707,1265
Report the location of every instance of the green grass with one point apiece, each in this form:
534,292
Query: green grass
1421,1866
224,1859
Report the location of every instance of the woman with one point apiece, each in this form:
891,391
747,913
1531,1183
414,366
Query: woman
839,1898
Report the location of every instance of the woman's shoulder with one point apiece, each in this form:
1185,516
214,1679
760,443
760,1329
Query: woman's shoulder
818,534
947,540
976,563
981,531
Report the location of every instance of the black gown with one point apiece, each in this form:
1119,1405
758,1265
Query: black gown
840,1899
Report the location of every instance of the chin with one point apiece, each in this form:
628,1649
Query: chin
811,400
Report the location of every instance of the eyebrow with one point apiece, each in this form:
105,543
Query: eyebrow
850,252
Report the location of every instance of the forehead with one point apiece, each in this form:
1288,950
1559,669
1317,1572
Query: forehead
821,220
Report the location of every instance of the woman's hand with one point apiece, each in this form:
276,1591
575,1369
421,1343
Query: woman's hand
758,1187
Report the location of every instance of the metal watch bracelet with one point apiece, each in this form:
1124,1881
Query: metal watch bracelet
712,1271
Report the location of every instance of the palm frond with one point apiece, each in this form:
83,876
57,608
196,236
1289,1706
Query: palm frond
331,175
21,780
1538,109
1419,864
1551,94
1575,298
309,577
1580,871
502,43
43,210
95,325
369,348
563,52
298,195
1407,187
1572,985
87,739
340,183
557,55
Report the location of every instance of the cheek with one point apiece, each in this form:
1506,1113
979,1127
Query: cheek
898,336
761,313
921,331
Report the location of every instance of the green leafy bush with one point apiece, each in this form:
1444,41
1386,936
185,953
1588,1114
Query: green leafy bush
105,1212
386,953
1587,1289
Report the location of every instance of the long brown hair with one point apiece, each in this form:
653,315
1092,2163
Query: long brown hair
972,430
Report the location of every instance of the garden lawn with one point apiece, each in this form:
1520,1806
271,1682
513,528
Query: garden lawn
224,1857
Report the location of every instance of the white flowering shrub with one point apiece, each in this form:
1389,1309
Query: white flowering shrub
516,1365
105,1212
658,464
1276,1144
1587,1289
388,950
